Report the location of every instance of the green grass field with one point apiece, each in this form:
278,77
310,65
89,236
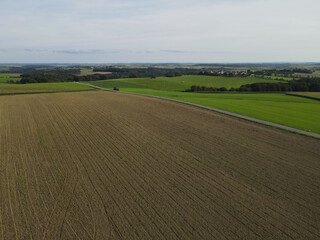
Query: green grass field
314,95
179,83
280,78
11,89
293,111
85,71
4,78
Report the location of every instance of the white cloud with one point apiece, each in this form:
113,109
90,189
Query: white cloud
160,30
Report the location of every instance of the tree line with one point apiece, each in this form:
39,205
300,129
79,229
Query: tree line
301,85
42,69
151,72
59,75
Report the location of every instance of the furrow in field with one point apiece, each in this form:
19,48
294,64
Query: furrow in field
135,167
107,166
72,159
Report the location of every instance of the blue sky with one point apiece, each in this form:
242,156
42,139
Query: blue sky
109,31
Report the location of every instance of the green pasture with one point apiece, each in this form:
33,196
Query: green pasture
314,95
293,111
4,78
85,71
280,78
179,83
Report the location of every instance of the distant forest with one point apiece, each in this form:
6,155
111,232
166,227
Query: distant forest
301,85
150,72
71,75
45,74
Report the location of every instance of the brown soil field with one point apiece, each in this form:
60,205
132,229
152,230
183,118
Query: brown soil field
101,165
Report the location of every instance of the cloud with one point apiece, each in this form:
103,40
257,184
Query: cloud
159,30
91,52
175,51
35,50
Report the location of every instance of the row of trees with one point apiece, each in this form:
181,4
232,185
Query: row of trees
195,88
281,72
116,73
150,72
54,77
302,85
42,69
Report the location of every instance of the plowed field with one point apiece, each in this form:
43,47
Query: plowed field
99,165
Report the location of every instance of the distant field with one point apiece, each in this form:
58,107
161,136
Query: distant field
4,68
179,83
7,77
315,95
94,73
305,75
282,78
40,88
293,111
85,71
101,165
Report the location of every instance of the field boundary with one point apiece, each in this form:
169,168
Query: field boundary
39,92
256,120
297,95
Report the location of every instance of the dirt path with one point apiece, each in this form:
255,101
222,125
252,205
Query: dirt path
294,130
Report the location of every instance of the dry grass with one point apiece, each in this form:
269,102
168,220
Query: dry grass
98,165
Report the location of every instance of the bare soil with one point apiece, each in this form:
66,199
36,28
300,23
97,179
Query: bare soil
101,165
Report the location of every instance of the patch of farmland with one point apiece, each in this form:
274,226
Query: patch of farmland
293,111
312,95
117,83
99,165
86,73
306,75
280,78
7,77
182,83
12,89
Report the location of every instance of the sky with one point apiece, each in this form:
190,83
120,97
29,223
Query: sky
159,31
